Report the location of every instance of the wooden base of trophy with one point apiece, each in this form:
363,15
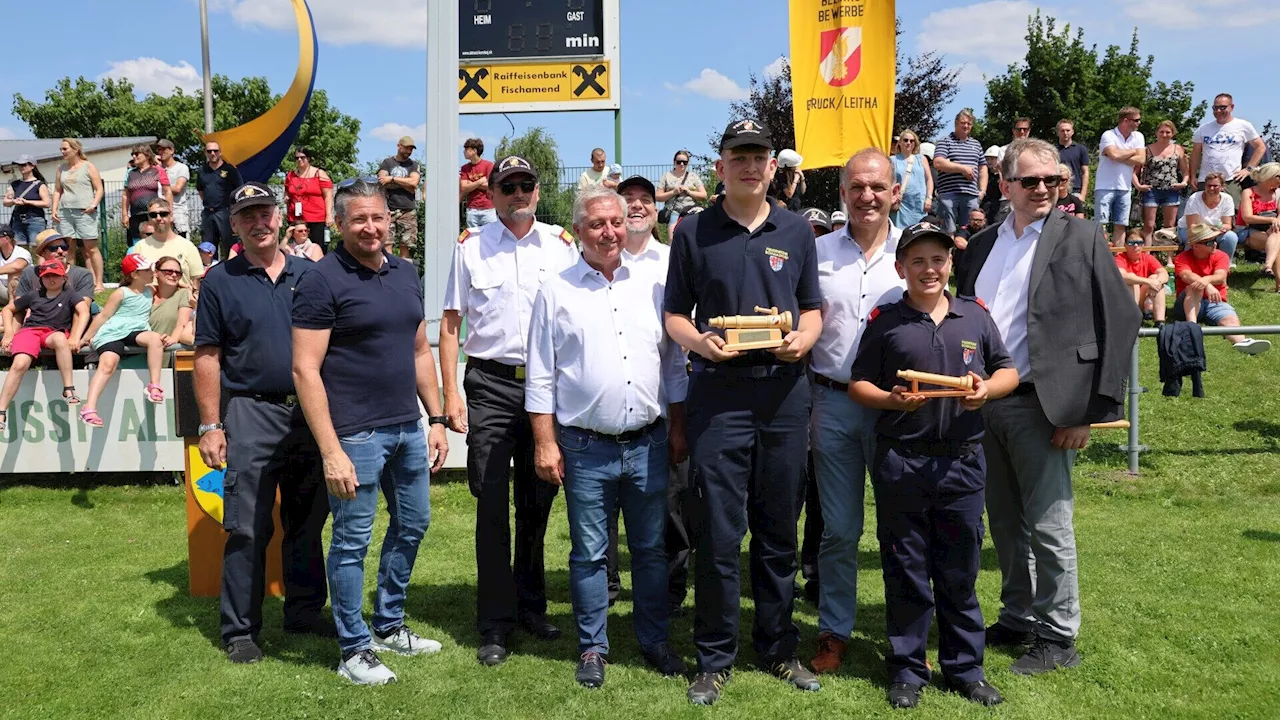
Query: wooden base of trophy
752,339
915,390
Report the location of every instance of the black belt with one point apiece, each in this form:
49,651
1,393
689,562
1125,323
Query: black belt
493,367
1024,389
625,437
273,398
825,381
931,448
779,370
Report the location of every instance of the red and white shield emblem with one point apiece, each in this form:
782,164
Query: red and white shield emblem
968,356
776,262
840,55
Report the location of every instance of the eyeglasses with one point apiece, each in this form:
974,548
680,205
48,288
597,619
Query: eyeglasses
351,182
1221,108
301,231
907,140
209,151
301,157
682,162
158,214
509,188
170,273
1031,183
1136,120
1022,129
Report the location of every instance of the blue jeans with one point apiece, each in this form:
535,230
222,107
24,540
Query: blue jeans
1112,206
395,457
1227,243
25,231
843,437
955,210
600,475
1166,197
480,218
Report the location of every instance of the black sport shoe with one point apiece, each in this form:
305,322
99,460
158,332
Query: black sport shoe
1046,655
243,651
1004,636
981,692
590,670
902,695
665,660
793,671
706,686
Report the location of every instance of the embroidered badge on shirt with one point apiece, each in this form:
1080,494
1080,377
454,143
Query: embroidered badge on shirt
777,258
970,348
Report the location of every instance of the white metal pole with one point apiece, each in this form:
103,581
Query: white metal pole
208,77
441,144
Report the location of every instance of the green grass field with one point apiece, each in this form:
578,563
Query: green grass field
1179,569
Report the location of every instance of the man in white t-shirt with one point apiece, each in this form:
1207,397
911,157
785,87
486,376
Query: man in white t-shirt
1219,146
1121,149
596,174
179,177
13,260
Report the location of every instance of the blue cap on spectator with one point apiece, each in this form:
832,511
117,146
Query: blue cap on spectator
6,231
207,247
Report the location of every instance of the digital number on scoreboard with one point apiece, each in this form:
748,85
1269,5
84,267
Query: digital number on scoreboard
520,29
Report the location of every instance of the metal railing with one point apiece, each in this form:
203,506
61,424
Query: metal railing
1135,448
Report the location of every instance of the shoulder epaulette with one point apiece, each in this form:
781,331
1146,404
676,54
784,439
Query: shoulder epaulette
979,301
878,311
567,237
465,234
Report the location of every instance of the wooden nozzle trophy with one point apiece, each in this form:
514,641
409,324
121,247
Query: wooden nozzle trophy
963,385
752,332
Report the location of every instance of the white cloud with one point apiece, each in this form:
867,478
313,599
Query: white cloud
1198,14
713,85
970,74
392,23
152,75
392,132
989,32
773,69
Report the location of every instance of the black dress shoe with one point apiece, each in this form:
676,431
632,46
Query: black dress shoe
1004,636
665,660
590,672
493,649
981,692
537,626
902,695
1046,655
318,626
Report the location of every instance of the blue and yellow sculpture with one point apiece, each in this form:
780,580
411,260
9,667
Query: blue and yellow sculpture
258,146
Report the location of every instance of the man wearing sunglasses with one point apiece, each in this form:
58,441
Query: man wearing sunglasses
50,246
1225,144
1121,149
1069,323
496,273
216,181
166,242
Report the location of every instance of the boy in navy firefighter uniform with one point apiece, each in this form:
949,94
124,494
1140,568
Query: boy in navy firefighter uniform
929,472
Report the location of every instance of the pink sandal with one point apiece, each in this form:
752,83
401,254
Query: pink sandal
155,393
89,416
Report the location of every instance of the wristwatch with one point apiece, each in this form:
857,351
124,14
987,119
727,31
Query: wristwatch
437,420
207,428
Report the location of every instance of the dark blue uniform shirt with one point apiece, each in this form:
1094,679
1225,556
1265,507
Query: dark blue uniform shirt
369,372
248,317
217,185
899,337
721,268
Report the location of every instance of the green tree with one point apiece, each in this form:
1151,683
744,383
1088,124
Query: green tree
82,108
1062,77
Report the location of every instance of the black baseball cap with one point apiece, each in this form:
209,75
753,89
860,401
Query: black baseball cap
511,165
817,217
747,131
6,231
921,231
251,194
639,181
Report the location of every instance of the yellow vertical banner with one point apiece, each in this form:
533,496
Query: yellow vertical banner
842,77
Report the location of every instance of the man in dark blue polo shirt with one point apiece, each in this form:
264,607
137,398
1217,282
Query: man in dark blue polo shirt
243,349
748,424
362,363
216,180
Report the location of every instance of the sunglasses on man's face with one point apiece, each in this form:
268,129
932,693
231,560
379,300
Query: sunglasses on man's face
509,188
1031,183
1221,108
158,214
211,151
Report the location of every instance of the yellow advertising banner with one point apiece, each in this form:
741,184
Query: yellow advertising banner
842,77
540,82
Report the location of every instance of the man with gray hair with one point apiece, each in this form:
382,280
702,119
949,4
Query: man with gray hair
961,172
1069,323
599,425
497,270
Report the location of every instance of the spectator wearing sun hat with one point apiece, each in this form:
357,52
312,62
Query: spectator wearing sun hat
51,245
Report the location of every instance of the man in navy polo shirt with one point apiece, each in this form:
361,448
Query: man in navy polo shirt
243,349
748,424
359,347
215,182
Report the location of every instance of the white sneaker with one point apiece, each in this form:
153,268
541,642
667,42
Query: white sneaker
364,668
1250,346
405,642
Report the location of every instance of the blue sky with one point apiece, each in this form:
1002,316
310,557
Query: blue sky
681,61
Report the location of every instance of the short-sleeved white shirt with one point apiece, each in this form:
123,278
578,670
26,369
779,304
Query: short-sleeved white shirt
1114,175
1222,146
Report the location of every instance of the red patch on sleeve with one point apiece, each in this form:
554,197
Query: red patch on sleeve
875,313
980,303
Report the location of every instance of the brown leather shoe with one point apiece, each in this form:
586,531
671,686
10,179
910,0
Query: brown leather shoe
830,653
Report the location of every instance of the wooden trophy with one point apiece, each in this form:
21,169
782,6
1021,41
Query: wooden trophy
963,385
752,332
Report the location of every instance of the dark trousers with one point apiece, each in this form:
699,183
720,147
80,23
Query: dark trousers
929,520
270,445
679,536
215,227
813,526
499,433
317,235
747,440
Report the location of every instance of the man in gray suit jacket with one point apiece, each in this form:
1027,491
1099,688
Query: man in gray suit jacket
1060,304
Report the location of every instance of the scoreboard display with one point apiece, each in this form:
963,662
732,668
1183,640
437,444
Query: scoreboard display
521,29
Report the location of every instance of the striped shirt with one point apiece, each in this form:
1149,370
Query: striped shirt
963,152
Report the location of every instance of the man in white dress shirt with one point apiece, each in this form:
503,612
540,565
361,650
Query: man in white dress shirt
599,427
856,274
497,270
